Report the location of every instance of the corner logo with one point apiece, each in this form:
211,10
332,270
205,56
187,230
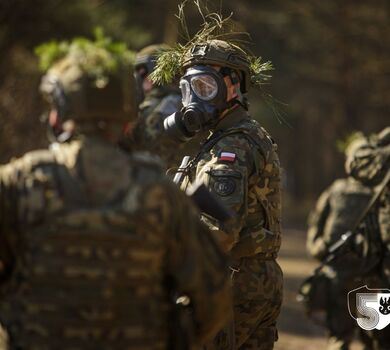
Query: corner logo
370,307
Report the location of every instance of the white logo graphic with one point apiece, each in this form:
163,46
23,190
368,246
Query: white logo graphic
372,307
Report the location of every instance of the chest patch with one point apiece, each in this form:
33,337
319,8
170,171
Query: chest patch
227,156
224,186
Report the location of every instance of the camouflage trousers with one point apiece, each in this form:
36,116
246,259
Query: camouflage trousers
257,299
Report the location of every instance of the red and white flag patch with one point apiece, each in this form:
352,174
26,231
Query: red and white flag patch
227,156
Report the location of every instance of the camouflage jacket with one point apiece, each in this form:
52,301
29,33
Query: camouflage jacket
95,246
370,163
239,164
336,212
157,105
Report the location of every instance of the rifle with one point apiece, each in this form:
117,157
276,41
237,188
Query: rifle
343,244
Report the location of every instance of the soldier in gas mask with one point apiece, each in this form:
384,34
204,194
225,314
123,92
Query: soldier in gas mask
156,102
239,164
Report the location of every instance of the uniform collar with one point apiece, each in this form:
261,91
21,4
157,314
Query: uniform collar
231,119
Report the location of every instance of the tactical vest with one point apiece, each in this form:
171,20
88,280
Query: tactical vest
256,238
85,277
347,200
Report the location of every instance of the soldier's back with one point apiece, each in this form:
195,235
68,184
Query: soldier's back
88,259
89,239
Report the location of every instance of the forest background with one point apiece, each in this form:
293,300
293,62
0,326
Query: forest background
331,74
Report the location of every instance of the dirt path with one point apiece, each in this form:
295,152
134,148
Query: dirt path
296,331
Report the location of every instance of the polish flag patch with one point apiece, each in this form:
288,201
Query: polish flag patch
227,156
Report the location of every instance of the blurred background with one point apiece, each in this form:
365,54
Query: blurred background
332,76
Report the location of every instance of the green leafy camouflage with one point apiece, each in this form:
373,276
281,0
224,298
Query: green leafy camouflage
214,27
96,57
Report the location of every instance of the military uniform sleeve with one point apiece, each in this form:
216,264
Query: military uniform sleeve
195,263
315,243
227,171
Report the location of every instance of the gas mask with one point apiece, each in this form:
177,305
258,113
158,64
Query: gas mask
204,94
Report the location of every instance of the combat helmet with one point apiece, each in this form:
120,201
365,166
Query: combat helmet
216,43
357,143
147,57
384,137
88,82
220,53
368,158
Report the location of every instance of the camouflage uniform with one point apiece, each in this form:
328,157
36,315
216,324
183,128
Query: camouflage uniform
369,163
98,245
250,187
336,211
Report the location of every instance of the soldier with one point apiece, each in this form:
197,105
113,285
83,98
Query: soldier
336,212
239,164
156,102
370,164
99,248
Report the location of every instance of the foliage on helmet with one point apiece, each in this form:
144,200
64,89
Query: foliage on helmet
96,58
88,80
214,28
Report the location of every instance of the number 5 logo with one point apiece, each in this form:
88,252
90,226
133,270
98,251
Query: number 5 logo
369,309
365,304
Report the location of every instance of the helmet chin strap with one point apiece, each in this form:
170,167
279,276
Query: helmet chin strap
232,104
234,79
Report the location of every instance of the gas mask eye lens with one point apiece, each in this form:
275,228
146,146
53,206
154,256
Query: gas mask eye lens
185,92
204,86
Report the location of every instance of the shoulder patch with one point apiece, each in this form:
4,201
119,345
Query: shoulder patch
224,186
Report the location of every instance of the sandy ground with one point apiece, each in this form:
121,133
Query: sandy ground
296,331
